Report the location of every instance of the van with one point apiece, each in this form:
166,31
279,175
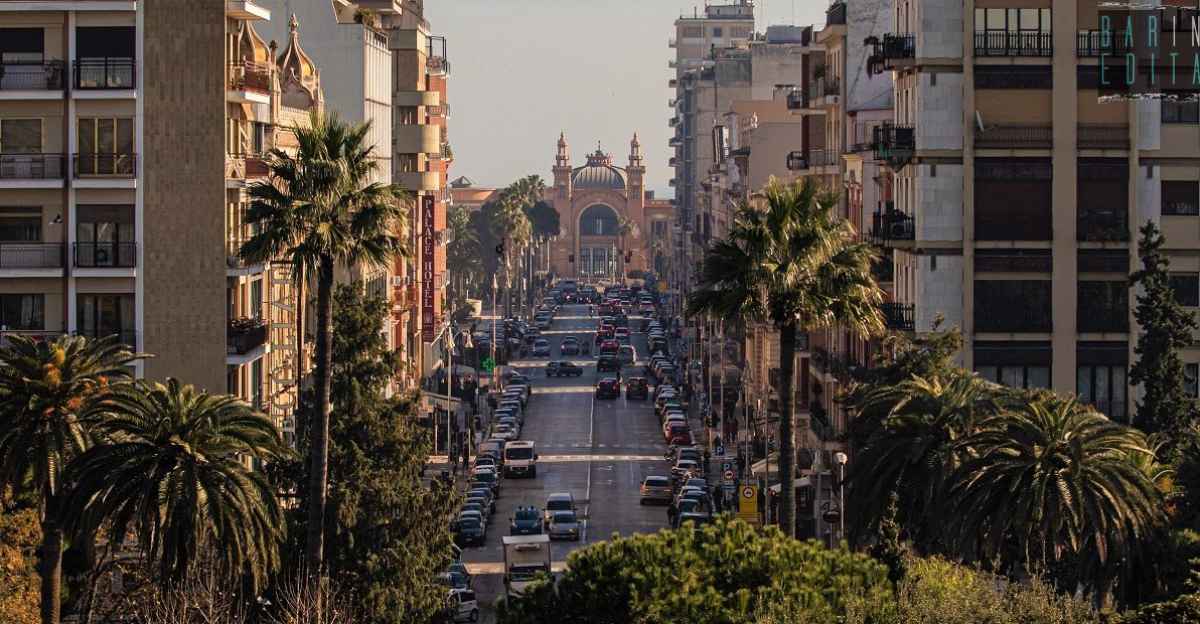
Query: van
627,355
520,459
463,606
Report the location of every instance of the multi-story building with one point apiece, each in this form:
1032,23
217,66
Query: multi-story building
1018,193
122,176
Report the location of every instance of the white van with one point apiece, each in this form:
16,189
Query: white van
520,458
463,605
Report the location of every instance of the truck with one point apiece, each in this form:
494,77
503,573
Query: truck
525,557
520,458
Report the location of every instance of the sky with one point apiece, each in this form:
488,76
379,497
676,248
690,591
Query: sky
524,70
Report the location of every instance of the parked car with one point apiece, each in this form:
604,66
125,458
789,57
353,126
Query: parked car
569,346
541,348
608,388
564,525
525,521
558,501
656,489
462,605
470,530
563,369
637,388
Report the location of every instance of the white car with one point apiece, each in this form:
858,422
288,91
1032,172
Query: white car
505,432
462,605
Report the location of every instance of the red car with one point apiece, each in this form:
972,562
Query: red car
609,347
608,388
637,388
678,435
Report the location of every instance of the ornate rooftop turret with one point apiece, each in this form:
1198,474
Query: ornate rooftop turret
635,152
563,158
299,77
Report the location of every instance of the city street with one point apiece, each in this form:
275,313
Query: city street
596,450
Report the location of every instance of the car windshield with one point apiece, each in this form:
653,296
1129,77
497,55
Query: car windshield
541,343
558,503
468,523
484,476
656,481
527,514
524,572
689,505
564,516
518,453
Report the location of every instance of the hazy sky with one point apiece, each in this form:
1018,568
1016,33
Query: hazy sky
523,70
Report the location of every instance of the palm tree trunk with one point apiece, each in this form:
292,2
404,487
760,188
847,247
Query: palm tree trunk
787,420
318,472
52,552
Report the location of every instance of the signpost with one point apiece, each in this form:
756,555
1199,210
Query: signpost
748,504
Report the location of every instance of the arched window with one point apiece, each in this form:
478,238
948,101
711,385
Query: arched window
598,220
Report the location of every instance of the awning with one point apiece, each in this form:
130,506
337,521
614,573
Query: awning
760,466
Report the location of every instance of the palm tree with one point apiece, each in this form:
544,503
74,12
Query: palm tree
1060,479
319,210
794,264
463,253
172,468
44,386
511,226
915,449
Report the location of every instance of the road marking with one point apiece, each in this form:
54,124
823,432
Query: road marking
587,507
497,567
588,457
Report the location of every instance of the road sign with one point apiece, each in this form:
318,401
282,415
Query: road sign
726,465
729,475
748,504
720,449
749,492
488,364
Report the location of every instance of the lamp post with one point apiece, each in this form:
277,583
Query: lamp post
840,459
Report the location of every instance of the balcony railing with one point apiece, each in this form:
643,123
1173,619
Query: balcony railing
437,65
1096,225
1021,136
245,335
894,144
822,157
797,99
111,165
37,335
47,76
836,14
1092,43
892,225
31,255
890,48
125,336
105,73
899,316
797,161
1103,136
105,255
1012,43
250,76
31,166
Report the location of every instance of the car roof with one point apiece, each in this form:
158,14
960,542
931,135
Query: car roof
557,496
656,478
563,513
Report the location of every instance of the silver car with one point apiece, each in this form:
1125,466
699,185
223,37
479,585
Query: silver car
564,525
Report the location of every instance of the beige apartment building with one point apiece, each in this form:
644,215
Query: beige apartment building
123,164
1018,194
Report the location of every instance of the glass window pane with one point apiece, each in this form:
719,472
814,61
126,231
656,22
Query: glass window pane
124,136
1192,372
1118,393
1014,19
980,19
995,19
106,136
20,229
990,373
21,136
1038,377
1103,389
1046,20
1029,19
1012,376
1083,383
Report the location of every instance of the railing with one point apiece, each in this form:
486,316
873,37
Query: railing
1093,43
245,335
890,47
17,76
37,335
797,161
125,336
893,143
831,86
31,166
1012,43
437,65
797,99
105,255
1103,136
31,255
250,76
1015,135
899,316
105,73
892,226
112,165
1101,225
822,157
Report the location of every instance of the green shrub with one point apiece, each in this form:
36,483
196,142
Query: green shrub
1182,610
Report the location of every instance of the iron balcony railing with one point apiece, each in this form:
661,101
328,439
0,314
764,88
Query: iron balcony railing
37,335
105,255
899,316
892,225
797,99
889,48
1012,43
1093,43
250,76
31,166
822,157
1032,136
246,335
124,336
894,144
43,76
112,165
31,255
1103,136
797,161
438,65
105,73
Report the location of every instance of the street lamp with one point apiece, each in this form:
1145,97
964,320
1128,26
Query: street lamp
840,459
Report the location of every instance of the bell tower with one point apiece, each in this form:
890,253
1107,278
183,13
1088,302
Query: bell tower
637,167
562,165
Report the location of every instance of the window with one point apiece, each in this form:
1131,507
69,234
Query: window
1013,20
1016,376
260,134
997,216
105,57
1012,306
406,163
717,32
693,32
104,236
256,384
1013,77
256,299
1103,386
20,225
1179,197
1102,212
105,315
1191,373
22,312
1102,306
1180,112
22,45
20,136
407,115
1187,288
105,146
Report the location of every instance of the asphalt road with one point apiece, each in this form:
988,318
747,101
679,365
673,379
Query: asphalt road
597,450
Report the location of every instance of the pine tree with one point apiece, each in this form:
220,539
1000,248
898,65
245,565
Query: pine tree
888,549
1166,328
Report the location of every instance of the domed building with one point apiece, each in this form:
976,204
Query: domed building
605,215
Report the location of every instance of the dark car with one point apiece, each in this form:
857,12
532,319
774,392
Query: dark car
525,521
608,363
569,346
637,388
470,531
608,388
563,369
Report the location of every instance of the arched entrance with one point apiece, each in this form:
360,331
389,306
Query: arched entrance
599,239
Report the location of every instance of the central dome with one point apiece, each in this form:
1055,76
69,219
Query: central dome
599,173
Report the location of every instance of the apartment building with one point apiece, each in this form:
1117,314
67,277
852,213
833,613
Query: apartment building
122,176
1018,194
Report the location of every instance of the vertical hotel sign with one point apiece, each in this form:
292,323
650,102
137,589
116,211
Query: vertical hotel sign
427,241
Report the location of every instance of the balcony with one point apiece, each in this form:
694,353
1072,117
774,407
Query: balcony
437,65
1015,136
890,226
899,316
889,52
31,256
798,99
31,167
105,255
418,180
47,76
672,63
674,141
249,82
672,162
797,161
674,121
893,144
671,103
1103,136
1093,43
246,10
245,335
105,73
105,165
1012,43
673,83
126,337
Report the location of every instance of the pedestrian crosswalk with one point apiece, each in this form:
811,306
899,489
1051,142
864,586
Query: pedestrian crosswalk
550,446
